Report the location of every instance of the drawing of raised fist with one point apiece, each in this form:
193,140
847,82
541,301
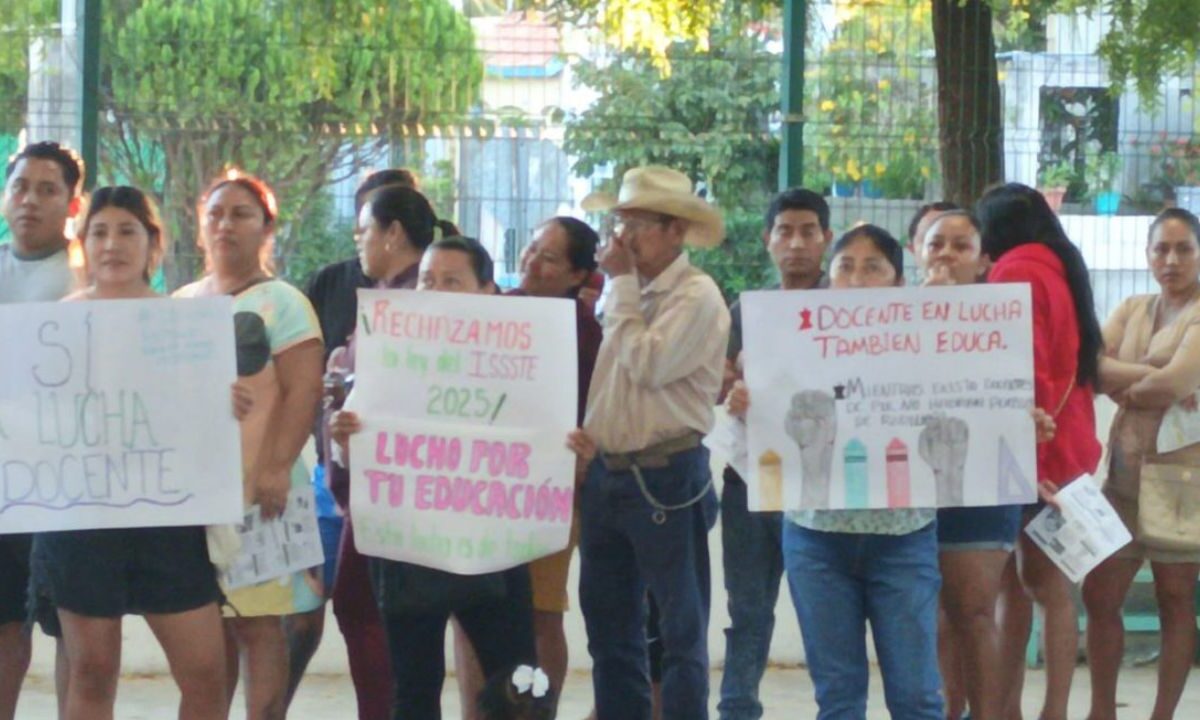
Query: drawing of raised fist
812,424
943,446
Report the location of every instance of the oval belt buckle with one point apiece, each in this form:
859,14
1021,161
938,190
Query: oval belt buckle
659,517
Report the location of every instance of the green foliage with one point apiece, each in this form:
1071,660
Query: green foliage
1102,172
20,22
1149,39
294,91
1178,160
708,118
1058,175
874,118
1019,25
8,145
741,262
439,186
322,239
1075,123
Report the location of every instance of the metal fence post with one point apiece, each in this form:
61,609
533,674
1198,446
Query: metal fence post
88,27
791,160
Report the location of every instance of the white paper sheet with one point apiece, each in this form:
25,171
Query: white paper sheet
728,441
890,397
117,414
277,547
1180,425
462,464
1083,534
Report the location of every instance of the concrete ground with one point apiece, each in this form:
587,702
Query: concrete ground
786,691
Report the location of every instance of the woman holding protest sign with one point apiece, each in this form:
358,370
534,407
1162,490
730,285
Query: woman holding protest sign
560,262
846,568
850,567
1155,439
974,543
279,356
95,577
494,609
1026,243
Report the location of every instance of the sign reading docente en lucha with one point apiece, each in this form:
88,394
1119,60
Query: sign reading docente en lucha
118,413
466,402
896,397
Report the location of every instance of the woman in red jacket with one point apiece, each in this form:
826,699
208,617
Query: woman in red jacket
1023,237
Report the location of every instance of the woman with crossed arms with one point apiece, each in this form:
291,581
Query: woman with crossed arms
1152,363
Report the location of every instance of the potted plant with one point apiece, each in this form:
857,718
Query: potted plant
1102,172
1181,169
846,177
1055,179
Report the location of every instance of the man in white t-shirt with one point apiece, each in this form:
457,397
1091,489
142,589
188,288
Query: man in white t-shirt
42,190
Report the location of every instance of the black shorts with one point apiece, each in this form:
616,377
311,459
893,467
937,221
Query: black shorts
15,590
14,577
110,573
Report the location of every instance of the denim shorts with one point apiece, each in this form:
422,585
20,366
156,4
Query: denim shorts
962,529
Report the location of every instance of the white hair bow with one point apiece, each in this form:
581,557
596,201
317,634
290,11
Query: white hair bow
526,678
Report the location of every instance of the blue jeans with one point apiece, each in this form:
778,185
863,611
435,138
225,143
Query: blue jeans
623,552
329,524
839,582
751,545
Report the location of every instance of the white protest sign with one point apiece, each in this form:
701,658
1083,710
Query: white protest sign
277,547
118,413
1083,534
896,397
466,402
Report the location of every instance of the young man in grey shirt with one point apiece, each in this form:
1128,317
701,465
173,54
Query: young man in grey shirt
43,189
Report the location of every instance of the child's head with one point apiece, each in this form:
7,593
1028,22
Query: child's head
518,693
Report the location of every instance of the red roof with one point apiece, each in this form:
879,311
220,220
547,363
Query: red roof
518,40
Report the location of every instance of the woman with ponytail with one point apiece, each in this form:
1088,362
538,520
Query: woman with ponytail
395,226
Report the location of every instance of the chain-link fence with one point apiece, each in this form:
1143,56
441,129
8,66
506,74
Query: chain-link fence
510,117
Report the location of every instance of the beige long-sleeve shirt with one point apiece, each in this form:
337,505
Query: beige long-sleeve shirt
660,365
1174,349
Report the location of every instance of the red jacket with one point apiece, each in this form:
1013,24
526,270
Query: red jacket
1075,450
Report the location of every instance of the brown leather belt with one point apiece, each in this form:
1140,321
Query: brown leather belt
657,455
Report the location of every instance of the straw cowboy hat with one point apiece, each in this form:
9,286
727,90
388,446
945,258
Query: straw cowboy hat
662,190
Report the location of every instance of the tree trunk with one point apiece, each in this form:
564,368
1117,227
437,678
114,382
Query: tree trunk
969,113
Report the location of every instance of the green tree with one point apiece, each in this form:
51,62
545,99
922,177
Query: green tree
20,22
872,109
710,118
296,91
1148,39
323,238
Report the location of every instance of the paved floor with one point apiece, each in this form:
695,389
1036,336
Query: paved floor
787,694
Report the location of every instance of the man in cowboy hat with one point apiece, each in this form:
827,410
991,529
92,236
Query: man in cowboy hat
648,503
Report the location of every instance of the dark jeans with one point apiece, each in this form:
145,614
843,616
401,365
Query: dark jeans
623,552
752,549
500,631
